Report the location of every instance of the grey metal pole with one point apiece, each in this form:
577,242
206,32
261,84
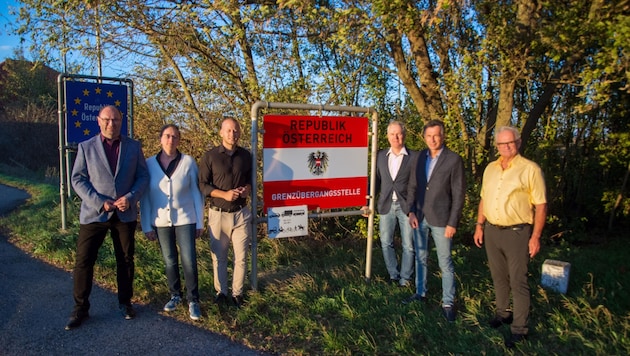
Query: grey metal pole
62,147
254,192
370,228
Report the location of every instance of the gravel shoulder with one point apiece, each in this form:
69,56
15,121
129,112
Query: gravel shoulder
36,299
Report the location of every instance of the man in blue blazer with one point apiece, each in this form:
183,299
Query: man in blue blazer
393,172
109,175
439,186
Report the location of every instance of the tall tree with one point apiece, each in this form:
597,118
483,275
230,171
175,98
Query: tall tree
548,67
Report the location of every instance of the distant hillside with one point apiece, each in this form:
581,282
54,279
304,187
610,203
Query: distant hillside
28,114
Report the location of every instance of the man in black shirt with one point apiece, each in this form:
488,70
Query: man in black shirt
225,178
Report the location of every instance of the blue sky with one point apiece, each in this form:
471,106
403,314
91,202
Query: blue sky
8,42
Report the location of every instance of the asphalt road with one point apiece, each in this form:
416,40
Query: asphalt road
36,299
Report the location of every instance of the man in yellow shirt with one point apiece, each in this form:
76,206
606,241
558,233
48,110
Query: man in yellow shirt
511,216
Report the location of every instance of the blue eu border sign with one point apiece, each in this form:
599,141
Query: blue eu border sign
83,102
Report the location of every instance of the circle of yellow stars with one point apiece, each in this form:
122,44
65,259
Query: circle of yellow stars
77,101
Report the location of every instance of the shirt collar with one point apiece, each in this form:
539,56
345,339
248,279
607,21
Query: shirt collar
223,149
109,140
403,151
437,155
515,159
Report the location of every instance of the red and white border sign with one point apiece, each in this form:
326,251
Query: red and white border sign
318,161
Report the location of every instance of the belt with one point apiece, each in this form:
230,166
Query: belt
229,210
516,227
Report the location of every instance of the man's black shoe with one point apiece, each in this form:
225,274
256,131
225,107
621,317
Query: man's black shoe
514,339
220,298
449,313
498,321
414,298
238,300
76,319
127,311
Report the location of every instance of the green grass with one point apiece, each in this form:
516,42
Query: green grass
312,297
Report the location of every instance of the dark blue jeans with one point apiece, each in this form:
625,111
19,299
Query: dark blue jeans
443,248
184,237
91,237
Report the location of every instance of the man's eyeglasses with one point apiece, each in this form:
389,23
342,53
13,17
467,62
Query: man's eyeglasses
505,144
109,120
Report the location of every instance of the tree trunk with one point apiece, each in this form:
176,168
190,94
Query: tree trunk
404,74
506,102
427,74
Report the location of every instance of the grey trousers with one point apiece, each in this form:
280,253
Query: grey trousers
508,257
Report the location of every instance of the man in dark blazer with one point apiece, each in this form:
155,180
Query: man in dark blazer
393,172
109,175
439,186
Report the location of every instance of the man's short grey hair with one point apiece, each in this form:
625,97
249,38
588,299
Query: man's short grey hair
513,130
396,122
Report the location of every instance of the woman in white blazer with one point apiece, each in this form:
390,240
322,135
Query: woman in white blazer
171,211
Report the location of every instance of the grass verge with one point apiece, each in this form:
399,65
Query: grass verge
312,297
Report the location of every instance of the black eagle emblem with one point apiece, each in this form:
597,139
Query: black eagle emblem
317,162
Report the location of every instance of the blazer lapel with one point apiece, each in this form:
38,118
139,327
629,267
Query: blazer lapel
422,166
385,164
101,154
440,162
401,169
403,164
122,152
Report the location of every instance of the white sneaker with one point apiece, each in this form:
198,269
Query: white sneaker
193,309
173,303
